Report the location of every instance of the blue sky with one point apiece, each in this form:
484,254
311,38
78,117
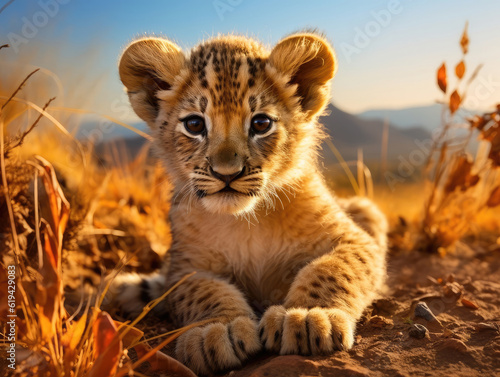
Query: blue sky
388,51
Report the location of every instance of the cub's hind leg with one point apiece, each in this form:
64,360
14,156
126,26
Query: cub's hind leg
366,215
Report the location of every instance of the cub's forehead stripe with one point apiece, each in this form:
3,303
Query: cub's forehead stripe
203,104
252,102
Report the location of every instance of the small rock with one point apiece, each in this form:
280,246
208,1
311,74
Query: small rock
450,278
452,343
380,322
453,290
423,311
418,331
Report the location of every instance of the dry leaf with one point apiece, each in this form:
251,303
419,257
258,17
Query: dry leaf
469,304
460,176
441,77
494,138
71,338
162,362
107,348
494,199
478,122
454,101
464,41
460,69
128,334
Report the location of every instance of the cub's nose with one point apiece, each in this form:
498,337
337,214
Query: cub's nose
227,178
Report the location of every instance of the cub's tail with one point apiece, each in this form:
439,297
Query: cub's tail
130,292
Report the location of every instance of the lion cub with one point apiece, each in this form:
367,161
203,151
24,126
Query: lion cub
280,262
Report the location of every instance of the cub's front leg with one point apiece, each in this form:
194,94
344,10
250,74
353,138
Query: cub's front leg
325,300
223,344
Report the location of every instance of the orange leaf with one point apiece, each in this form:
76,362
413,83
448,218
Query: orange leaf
45,324
128,334
493,135
494,199
454,101
107,347
73,335
469,304
441,77
461,176
478,122
460,69
464,41
164,363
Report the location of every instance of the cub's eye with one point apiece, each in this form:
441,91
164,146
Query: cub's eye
194,124
261,124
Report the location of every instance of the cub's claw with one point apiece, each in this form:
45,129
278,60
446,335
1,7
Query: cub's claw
218,346
306,331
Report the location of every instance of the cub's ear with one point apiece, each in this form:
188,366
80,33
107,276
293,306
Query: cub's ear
147,66
309,62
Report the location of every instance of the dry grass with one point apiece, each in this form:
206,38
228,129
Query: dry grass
41,224
461,187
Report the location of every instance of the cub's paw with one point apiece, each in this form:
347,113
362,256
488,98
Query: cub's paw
217,347
306,331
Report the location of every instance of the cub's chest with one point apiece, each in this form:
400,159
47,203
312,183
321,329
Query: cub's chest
235,245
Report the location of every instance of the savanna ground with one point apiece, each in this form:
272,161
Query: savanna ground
71,219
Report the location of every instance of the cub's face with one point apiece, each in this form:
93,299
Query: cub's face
234,123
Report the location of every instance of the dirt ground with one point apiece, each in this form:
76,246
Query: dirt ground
462,341
462,291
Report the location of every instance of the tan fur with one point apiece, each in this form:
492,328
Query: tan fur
280,244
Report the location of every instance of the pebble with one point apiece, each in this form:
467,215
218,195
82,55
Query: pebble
380,322
453,290
423,311
418,331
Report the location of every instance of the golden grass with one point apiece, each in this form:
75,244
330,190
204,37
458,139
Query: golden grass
49,341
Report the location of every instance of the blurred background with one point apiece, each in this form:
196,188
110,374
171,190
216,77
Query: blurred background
384,95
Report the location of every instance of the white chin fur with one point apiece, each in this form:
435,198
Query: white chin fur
232,204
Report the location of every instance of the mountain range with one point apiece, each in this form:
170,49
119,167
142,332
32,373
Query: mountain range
427,117
348,132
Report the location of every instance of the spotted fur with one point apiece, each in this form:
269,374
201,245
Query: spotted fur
280,262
